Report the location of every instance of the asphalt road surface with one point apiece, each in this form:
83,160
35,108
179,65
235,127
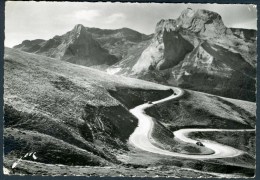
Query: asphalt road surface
141,137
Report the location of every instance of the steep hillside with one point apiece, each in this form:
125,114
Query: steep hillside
74,115
198,110
201,110
49,102
213,69
197,51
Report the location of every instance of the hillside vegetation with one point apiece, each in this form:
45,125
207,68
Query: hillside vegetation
74,115
201,110
49,102
196,109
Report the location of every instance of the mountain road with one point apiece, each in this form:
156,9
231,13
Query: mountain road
141,137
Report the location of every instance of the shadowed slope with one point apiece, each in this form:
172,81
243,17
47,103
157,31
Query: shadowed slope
69,103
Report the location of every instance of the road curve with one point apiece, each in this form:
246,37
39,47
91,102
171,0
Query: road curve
141,137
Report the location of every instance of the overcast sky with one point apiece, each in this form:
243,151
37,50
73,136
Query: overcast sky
43,20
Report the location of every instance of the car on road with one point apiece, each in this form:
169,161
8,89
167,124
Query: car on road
199,143
173,92
149,102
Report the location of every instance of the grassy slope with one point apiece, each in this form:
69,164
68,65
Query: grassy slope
84,111
244,141
111,171
201,110
69,103
197,109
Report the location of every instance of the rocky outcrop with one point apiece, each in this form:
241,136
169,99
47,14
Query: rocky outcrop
174,39
247,34
197,51
166,50
175,49
213,69
203,22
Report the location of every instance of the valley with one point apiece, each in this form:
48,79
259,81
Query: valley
180,102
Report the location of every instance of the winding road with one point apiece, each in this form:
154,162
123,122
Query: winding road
141,137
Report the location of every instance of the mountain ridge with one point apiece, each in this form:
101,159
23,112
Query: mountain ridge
195,47
197,51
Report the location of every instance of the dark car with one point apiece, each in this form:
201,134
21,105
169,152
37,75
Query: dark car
149,102
199,143
172,91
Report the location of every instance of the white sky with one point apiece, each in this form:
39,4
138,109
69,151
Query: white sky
43,20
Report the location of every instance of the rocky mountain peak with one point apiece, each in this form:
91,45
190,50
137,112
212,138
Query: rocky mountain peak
189,14
202,21
166,24
197,47
78,28
77,35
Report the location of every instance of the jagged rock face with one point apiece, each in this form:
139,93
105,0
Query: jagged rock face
216,60
167,49
168,25
82,49
214,69
175,49
197,51
149,58
169,46
247,34
174,39
203,22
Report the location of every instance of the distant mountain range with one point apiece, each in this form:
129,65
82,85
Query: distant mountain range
87,46
195,51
